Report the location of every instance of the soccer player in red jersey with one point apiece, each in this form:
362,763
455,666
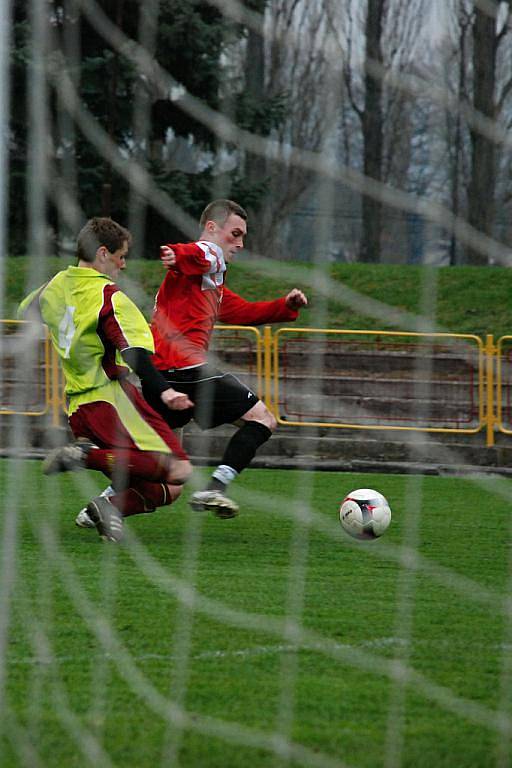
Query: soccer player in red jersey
99,334
190,300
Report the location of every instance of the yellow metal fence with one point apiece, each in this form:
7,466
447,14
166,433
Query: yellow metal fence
27,382
430,382
322,378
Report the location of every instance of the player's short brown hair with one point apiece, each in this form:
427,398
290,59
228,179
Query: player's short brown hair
101,230
219,211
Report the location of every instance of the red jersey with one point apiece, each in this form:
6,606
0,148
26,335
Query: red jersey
192,298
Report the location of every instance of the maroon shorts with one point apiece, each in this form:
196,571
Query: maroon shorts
108,426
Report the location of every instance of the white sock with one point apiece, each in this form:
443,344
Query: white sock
225,474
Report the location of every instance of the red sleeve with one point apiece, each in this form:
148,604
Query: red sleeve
237,311
195,259
111,335
108,325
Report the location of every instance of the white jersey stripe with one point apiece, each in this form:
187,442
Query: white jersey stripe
214,255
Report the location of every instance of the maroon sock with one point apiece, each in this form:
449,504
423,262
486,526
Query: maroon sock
145,497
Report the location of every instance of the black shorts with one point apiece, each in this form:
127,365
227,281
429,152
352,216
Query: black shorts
219,398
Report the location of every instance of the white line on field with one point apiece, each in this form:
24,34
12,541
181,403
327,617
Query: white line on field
261,650
257,650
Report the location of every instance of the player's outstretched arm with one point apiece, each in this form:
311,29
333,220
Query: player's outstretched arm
237,311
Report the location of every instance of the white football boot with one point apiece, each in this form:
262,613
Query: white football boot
83,520
214,501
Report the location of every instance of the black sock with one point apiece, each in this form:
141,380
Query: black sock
243,445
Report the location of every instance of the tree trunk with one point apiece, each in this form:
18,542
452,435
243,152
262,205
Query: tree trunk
111,90
481,192
458,143
370,246
255,165
255,89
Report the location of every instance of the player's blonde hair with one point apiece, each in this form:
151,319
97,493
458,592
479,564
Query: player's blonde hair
219,211
100,230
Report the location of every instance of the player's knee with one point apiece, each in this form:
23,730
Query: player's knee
268,419
272,425
179,472
261,414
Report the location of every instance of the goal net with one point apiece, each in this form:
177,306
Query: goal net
376,179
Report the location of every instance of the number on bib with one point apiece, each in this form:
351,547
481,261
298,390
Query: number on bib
67,330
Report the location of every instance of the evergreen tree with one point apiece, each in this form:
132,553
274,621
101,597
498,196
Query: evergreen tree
191,38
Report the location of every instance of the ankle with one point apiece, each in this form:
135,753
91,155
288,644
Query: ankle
216,485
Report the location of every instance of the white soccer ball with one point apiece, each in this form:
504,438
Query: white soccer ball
365,514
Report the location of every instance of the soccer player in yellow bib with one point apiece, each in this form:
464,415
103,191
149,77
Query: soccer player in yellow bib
100,335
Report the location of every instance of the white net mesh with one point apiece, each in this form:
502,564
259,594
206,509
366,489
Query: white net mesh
269,640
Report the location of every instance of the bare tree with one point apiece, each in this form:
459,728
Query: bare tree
255,165
389,34
137,203
111,98
457,144
373,133
487,38
293,54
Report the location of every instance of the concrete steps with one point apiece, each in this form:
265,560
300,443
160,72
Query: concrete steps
361,451
393,385
319,449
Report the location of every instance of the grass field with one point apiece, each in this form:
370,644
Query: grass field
268,640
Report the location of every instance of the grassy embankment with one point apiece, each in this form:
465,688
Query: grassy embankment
459,300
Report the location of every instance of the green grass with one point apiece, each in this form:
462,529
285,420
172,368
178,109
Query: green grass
472,300
77,602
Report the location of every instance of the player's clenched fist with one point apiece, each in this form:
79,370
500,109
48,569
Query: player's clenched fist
176,401
167,256
296,299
